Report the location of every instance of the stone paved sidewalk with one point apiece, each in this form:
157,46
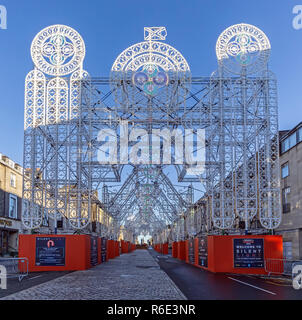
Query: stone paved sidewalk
134,276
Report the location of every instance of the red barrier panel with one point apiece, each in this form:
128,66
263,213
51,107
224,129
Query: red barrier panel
122,246
99,250
181,250
111,249
174,249
196,251
117,248
221,253
165,248
125,246
187,243
74,251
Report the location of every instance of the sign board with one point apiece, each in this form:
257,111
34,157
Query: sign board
104,249
192,251
203,251
50,251
93,251
248,253
6,223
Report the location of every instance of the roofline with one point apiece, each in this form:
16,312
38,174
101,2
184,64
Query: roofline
290,132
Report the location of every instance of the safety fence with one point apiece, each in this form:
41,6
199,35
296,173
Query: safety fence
15,267
280,266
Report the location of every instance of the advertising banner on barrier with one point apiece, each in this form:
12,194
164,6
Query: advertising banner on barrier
50,251
203,251
104,250
191,253
93,251
248,253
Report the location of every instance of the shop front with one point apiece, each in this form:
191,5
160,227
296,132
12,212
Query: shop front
9,232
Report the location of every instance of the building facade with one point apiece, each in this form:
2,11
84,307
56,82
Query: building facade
291,190
10,205
11,187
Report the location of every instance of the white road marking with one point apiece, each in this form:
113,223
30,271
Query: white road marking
34,277
247,284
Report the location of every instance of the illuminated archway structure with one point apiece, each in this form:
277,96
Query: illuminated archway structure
151,87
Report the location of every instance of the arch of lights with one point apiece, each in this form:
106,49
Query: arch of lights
151,87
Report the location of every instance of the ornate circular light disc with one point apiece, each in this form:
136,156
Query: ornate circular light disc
150,79
58,50
243,47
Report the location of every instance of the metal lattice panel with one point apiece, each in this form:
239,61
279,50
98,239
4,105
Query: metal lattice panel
150,90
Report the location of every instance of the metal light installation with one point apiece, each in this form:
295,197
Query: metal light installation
150,87
246,184
243,48
151,52
52,110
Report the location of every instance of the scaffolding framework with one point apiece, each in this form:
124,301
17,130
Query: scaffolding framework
151,89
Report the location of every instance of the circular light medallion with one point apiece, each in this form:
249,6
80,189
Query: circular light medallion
243,47
58,50
140,78
150,79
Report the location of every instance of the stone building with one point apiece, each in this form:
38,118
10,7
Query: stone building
291,190
10,205
11,187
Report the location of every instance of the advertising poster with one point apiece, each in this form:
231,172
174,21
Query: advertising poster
192,251
248,253
203,251
50,251
104,249
94,251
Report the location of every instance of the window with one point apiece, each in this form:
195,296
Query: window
13,180
285,146
285,170
288,143
12,206
300,135
285,200
293,140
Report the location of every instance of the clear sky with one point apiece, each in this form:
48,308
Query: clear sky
108,27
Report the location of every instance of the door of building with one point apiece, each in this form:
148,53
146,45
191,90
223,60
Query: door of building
288,250
4,235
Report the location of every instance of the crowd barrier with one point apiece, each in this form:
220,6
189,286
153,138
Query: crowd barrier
15,267
280,266
69,252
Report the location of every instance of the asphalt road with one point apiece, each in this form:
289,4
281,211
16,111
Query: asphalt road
198,284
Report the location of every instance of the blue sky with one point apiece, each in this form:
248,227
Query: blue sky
108,27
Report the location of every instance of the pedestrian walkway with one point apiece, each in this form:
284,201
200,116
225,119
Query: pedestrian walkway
133,276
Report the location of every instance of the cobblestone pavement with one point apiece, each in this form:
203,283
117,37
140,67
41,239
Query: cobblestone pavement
134,276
